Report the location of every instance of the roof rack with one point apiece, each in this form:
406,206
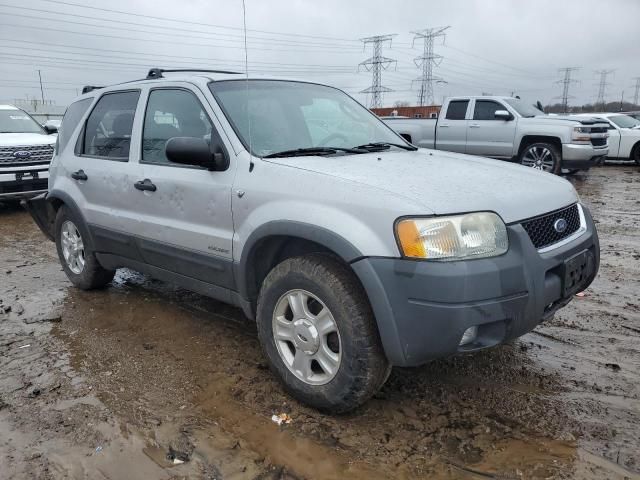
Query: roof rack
90,88
157,72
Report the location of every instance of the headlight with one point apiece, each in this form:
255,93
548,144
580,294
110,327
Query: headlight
581,135
474,235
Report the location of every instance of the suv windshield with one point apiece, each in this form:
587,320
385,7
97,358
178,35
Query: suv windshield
17,121
286,116
624,121
524,109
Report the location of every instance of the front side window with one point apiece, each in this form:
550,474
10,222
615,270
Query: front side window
625,121
457,109
71,119
171,113
274,116
16,121
486,110
108,129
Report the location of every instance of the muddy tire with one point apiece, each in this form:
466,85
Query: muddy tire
541,156
77,258
635,154
301,300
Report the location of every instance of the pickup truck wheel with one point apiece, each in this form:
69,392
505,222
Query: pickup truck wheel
636,154
77,259
319,334
541,156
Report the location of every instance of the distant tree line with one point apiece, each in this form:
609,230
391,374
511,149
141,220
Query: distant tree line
591,107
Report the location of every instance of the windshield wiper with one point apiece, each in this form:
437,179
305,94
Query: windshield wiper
311,151
377,146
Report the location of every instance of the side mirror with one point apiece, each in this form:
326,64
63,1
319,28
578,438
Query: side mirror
503,115
196,151
50,128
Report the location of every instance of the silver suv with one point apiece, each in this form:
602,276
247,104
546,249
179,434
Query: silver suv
353,250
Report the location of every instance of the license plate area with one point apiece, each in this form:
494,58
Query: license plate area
577,271
26,176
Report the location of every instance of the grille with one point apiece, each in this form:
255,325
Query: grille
541,229
598,142
39,154
598,129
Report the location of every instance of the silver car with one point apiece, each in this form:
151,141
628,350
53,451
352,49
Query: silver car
353,250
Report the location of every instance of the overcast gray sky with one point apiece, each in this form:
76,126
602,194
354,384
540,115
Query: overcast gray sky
496,46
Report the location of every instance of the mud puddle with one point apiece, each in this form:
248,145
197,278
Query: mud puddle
123,382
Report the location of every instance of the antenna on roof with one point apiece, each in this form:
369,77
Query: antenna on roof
157,72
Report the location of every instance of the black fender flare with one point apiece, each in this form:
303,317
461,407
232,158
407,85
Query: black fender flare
70,203
287,228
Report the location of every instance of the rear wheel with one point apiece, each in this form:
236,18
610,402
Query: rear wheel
319,334
541,156
77,258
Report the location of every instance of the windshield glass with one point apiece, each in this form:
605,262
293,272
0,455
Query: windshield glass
286,115
16,121
624,121
524,109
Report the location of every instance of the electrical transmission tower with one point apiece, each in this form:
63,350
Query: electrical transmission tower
427,61
566,82
602,86
637,91
376,64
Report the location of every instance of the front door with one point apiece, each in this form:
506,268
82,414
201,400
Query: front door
451,131
487,135
186,223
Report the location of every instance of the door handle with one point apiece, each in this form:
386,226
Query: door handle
79,175
145,185
445,125
474,125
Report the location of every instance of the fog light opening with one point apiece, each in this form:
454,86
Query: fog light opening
469,335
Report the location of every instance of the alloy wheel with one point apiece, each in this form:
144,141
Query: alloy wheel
72,247
306,336
538,157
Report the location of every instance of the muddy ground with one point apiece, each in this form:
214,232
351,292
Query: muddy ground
128,382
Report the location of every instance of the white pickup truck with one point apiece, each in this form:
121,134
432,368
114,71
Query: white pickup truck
508,128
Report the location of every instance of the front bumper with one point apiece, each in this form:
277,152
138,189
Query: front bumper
23,182
423,308
582,156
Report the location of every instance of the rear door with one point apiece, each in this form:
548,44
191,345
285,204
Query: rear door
99,172
487,135
185,220
451,130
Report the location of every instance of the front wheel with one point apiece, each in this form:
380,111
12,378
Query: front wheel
636,154
319,334
541,156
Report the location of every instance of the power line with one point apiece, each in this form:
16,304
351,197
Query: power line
376,64
427,61
637,90
602,85
187,22
566,82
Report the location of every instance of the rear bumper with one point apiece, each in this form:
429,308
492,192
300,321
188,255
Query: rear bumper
582,156
423,308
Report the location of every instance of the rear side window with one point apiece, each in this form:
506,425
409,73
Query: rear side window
171,113
70,121
107,132
486,110
457,109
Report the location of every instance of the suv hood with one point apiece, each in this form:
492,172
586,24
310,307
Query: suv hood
448,183
26,139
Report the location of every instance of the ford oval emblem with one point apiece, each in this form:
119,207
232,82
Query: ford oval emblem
560,225
22,154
